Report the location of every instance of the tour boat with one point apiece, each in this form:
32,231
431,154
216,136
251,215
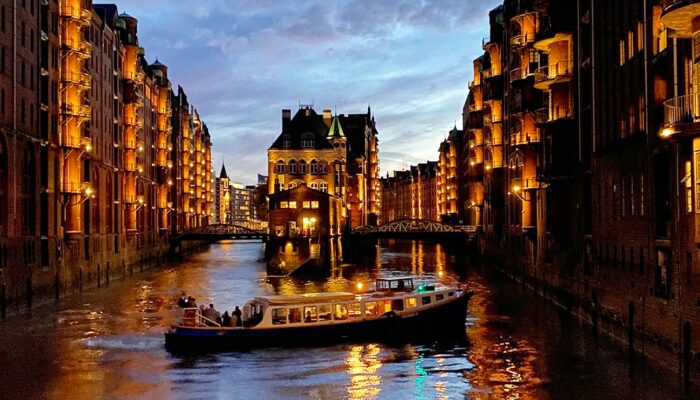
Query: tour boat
394,310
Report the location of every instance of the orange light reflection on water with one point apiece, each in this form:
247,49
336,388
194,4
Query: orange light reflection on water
362,365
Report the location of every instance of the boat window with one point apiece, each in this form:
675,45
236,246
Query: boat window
324,313
439,297
310,314
425,300
279,316
410,302
354,310
383,306
397,305
451,293
294,315
341,311
371,308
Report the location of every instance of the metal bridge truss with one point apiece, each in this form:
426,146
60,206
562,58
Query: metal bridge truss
416,226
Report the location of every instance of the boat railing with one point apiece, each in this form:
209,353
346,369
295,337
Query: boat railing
194,317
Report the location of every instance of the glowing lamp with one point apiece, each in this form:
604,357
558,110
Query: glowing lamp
359,285
666,132
516,188
313,220
140,199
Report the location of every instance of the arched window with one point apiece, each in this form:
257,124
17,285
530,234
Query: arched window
108,202
322,167
307,140
3,188
302,167
323,186
280,167
295,184
314,167
314,185
292,167
28,192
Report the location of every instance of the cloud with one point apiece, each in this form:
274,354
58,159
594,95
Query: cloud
242,61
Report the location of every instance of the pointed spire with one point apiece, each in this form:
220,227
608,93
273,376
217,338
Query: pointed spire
223,171
336,130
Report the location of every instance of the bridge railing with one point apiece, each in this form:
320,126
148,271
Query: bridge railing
416,226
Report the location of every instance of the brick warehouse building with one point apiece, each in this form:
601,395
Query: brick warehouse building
600,160
90,186
412,193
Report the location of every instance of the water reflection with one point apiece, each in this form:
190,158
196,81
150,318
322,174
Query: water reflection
108,343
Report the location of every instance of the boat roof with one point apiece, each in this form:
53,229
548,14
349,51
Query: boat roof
396,278
306,298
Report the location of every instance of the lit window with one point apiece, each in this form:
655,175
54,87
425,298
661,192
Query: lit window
279,316
292,204
688,187
410,302
294,315
307,143
306,204
284,204
314,185
292,167
341,312
371,308
323,186
302,167
314,204
280,167
314,167
325,313
354,310
310,314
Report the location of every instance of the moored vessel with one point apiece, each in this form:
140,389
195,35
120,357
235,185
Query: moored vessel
395,310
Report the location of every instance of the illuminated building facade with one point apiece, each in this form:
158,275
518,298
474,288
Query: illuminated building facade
332,154
601,158
222,198
447,177
413,193
87,130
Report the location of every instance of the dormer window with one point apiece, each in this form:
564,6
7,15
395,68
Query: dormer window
307,140
286,142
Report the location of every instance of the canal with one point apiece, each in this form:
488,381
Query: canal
108,342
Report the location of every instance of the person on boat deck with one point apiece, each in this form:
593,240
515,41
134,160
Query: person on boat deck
234,321
191,302
237,312
308,317
226,319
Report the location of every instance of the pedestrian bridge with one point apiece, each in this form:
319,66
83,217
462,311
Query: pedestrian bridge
218,232
416,228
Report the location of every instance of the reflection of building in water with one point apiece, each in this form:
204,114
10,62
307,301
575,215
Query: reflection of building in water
363,364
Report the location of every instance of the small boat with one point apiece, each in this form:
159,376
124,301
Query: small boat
395,310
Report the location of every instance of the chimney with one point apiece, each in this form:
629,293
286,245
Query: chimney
327,117
286,117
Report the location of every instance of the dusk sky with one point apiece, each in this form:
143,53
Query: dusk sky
242,62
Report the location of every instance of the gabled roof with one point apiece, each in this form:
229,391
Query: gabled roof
223,172
306,121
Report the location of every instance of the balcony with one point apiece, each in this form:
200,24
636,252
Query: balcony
682,114
130,166
77,111
78,46
81,15
74,187
523,138
518,184
678,15
559,72
522,40
80,79
518,74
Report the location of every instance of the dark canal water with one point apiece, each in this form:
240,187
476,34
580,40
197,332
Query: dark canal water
108,343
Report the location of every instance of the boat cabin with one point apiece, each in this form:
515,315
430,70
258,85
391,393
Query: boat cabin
396,284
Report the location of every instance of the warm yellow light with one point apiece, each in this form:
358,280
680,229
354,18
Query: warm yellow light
472,163
313,220
170,182
440,273
88,191
140,199
169,204
666,132
488,167
516,188
359,285
306,221
88,147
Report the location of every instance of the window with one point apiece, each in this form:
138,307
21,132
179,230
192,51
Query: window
310,314
450,294
641,195
323,186
688,181
293,184
410,302
397,305
2,60
371,308
314,185
3,25
354,310
292,167
279,316
28,192
697,181
314,204
663,273
439,297
302,167
314,167
284,204
280,167
425,300
306,204
341,312
307,143
325,313
292,204
322,167
294,315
